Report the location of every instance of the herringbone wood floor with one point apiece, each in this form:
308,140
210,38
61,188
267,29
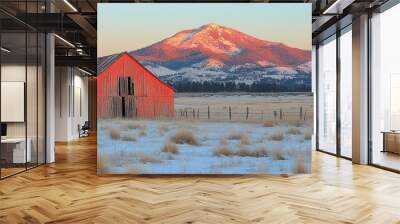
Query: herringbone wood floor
69,191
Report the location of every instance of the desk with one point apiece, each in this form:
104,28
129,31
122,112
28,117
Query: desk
391,141
15,148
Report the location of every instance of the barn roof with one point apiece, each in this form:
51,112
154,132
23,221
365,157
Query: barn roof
104,62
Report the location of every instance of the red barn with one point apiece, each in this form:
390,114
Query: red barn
125,88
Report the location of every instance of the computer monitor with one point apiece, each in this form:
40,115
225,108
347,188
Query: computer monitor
3,130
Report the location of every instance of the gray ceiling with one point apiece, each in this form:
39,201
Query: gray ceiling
79,27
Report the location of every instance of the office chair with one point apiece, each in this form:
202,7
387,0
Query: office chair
84,130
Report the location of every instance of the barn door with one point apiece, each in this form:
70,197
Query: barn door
123,107
126,91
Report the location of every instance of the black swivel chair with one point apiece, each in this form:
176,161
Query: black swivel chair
84,130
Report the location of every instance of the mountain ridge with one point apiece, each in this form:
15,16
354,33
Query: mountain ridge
221,43
214,53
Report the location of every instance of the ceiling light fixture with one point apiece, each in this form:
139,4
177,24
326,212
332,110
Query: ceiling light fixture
5,50
337,7
84,71
64,40
331,7
70,5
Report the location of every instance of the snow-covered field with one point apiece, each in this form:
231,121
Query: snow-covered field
194,147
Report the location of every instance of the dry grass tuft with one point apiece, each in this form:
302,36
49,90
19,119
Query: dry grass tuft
299,167
134,126
277,136
170,147
235,135
268,124
223,151
129,138
294,131
277,154
114,134
260,152
184,137
307,136
243,152
301,161
241,136
245,140
118,158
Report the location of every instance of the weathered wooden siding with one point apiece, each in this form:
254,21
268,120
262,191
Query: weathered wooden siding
151,97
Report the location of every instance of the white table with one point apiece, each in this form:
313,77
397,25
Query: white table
19,153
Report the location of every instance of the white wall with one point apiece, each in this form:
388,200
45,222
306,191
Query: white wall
71,87
61,103
80,94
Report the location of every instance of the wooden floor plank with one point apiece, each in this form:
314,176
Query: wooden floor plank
70,191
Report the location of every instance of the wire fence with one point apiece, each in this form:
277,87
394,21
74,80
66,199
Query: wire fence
230,113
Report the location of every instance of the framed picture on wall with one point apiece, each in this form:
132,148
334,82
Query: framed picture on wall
204,89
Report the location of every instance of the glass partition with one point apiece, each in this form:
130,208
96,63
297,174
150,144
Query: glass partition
385,89
22,78
13,114
346,92
327,95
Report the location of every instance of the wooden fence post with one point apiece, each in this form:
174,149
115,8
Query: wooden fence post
280,114
301,113
230,113
208,112
194,113
247,113
198,112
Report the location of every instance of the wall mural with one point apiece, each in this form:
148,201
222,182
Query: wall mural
204,89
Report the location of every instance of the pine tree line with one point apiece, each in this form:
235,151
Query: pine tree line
286,85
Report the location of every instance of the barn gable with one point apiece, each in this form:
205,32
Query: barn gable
104,63
127,89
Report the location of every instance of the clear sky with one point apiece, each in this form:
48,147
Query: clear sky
125,27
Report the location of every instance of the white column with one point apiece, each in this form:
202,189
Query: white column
50,92
360,90
50,99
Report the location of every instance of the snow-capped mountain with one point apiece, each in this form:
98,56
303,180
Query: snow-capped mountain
217,53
